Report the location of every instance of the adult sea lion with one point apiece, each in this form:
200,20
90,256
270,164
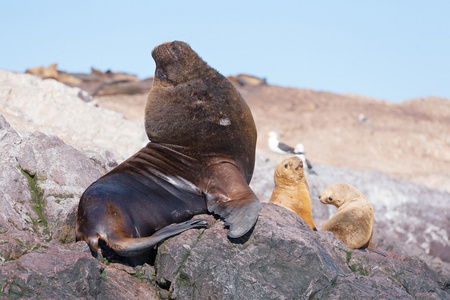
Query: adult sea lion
200,159
353,221
291,189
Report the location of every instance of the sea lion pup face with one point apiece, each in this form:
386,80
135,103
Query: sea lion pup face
337,194
289,172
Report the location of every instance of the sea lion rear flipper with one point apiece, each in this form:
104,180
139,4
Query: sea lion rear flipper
370,247
229,196
130,247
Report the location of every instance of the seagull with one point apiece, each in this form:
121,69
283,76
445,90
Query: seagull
278,147
300,152
362,119
283,149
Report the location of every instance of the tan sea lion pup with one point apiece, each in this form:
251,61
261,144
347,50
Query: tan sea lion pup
353,221
291,189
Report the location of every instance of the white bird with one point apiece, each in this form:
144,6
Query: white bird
281,148
300,152
277,147
362,119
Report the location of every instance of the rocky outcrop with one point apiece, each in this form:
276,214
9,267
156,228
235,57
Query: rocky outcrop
30,103
283,258
41,181
59,272
42,177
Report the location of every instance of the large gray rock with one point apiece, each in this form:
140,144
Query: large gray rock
61,273
41,182
30,104
284,259
43,176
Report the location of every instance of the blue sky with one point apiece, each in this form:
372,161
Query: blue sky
388,50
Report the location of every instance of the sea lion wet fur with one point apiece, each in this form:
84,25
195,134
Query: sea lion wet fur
200,159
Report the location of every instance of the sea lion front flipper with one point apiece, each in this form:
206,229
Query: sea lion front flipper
229,196
130,247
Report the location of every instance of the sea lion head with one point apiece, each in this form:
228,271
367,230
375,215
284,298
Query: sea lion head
338,194
195,108
289,172
176,63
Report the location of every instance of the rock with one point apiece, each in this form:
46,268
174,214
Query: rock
284,259
49,164
59,273
41,182
42,177
32,104
17,208
124,282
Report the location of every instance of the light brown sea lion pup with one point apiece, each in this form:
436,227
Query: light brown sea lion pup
200,159
353,221
291,189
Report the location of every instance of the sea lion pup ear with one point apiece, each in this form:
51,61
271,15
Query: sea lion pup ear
131,247
229,196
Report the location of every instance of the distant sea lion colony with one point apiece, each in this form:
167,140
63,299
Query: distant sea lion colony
200,160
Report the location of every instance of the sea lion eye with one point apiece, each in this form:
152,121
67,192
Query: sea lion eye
330,199
285,166
161,75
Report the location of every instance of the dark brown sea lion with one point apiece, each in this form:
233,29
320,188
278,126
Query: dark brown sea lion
200,159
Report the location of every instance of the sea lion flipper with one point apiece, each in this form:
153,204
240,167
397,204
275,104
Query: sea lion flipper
240,219
370,247
130,247
230,197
